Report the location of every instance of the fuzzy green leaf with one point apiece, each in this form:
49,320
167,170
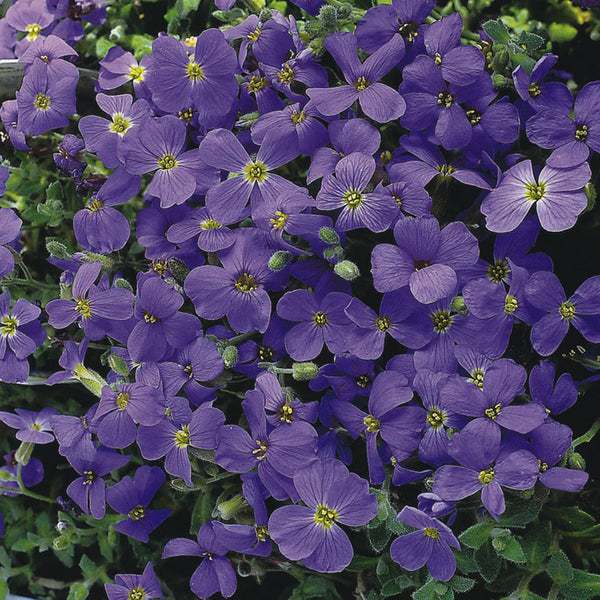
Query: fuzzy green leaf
488,562
559,568
583,586
476,535
497,31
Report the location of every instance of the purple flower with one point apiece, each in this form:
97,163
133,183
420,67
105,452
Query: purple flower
555,398
277,454
322,320
159,146
99,227
160,327
311,533
119,410
32,426
571,136
89,490
549,443
206,79
582,309
484,467
557,195
378,101
429,545
118,67
131,497
540,95
130,587
90,305
346,191
10,232
426,259
44,102
236,290
103,136
9,114
172,439
215,573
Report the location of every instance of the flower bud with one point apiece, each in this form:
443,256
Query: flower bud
179,269
24,452
279,260
347,270
6,475
62,542
118,365
57,249
332,252
123,284
499,80
304,371
328,16
329,235
500,60
344,11
576,461
230,356
228,509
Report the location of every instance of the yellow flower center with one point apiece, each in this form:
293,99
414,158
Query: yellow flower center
286,413
542,466
298,117
120,124
445,170
353,199
182,437
33,31
95,204
137,73
486,476
441,321
150,318
320,319
474,117
362,381
279,220
498,271
265,353
436,417
581,133
245,283
136,593
445,99
167,162
371,423
325,516
437,59
90,477
432,532
382,323
261,532
9,326
535,191
567,310
253,36
42,102
160,266
186,115
194,71
477,378
261,451
210,224
493,411
137,513
84,307
122,401
534,90
286,75
256,172
257,84
361,84
510,304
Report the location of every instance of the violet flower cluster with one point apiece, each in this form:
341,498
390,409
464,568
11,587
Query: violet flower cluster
249,277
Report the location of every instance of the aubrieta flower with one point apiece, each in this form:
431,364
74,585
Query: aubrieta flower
90,306
30,474
9,115
430,545
119,67
44,102
89,490
50,50
30,16
134,587
571,137
557,195
215,573
10,232
555,398
425,258
206,79
346,191
582,309
378,101
32,426
483,466
131,497
311,533
160,147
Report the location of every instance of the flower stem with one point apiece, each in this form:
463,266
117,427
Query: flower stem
588,436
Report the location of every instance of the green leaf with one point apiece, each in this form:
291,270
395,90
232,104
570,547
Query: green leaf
529,41
561,32
583,586
362,563
476,535
392,587
461,584
488,562
313,587
520,513
185,7
570,518
536,542
23,545
3,589
434,590
511,550
201,513
497,31
378,537
89,570
54,191
77,591
559,568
